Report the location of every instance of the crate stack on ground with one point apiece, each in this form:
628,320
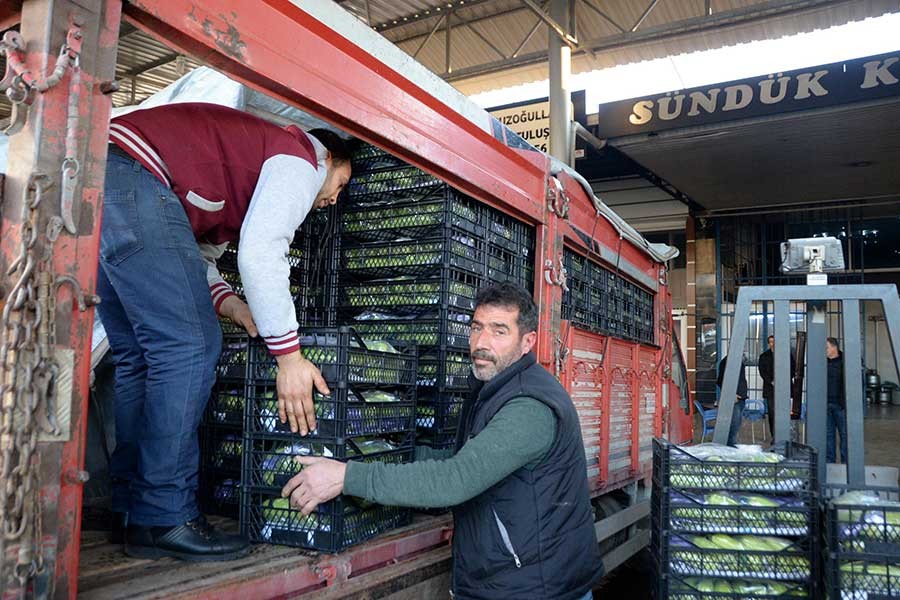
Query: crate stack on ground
309,257
732,524
413,253
602,301
862,541
369,416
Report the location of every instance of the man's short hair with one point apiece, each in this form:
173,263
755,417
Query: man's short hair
511,295
833,342
338,146
771,337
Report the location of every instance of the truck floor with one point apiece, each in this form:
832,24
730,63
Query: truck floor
106,573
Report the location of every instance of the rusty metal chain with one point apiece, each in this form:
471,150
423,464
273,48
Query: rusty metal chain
27,373
28,368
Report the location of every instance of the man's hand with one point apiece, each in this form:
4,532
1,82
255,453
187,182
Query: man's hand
294,382
237,310
320,480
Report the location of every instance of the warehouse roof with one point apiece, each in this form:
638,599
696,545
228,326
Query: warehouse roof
498,43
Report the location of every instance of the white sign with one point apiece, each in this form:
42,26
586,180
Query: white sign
531,122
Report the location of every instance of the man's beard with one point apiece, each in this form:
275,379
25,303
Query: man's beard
497,364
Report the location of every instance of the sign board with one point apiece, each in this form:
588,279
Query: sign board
531,119
855,80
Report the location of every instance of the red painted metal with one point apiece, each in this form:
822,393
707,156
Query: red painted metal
40,147
345,85
330,570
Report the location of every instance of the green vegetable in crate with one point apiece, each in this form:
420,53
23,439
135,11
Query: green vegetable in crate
380,346
228,449
721,586
278,514
379,396
375,446
280,462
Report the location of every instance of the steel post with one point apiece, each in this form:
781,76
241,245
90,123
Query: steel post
782,360
853,394
560,82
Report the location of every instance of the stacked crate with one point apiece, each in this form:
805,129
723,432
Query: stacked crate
863,544
735,529
605,302
220,431
369,416
309,257
413,254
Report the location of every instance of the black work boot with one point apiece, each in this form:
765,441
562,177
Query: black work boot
194,541
118,522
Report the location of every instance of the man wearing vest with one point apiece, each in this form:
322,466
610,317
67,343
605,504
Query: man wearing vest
523,524
182,181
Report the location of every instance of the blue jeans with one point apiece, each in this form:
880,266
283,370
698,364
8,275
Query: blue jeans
588,596
737,415
836,423
165,340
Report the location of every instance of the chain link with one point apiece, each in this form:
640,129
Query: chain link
27,373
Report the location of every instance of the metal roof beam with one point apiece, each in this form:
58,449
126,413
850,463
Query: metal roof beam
558,29
531,33
757,12
484,39
646,14
159,62
590,4
424,43
430,13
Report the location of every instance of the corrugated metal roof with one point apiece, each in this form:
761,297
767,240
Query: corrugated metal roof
477,25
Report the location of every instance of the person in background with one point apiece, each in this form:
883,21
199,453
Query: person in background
837,401
741,397
766,366
523,526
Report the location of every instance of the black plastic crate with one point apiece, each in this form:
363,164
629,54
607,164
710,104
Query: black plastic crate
221,449
345,413
400,183
372,391
702,588
226,404
414,258
232,364
269,462
452,331
871,579
438,414
220,492
267,517
675,469
741,514
411,220
687,555
453,290
862,540
857,527
444,369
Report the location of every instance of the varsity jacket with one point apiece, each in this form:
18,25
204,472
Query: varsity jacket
238,177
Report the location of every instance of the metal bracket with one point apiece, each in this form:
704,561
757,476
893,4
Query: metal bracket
560,355
555,275
558,199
